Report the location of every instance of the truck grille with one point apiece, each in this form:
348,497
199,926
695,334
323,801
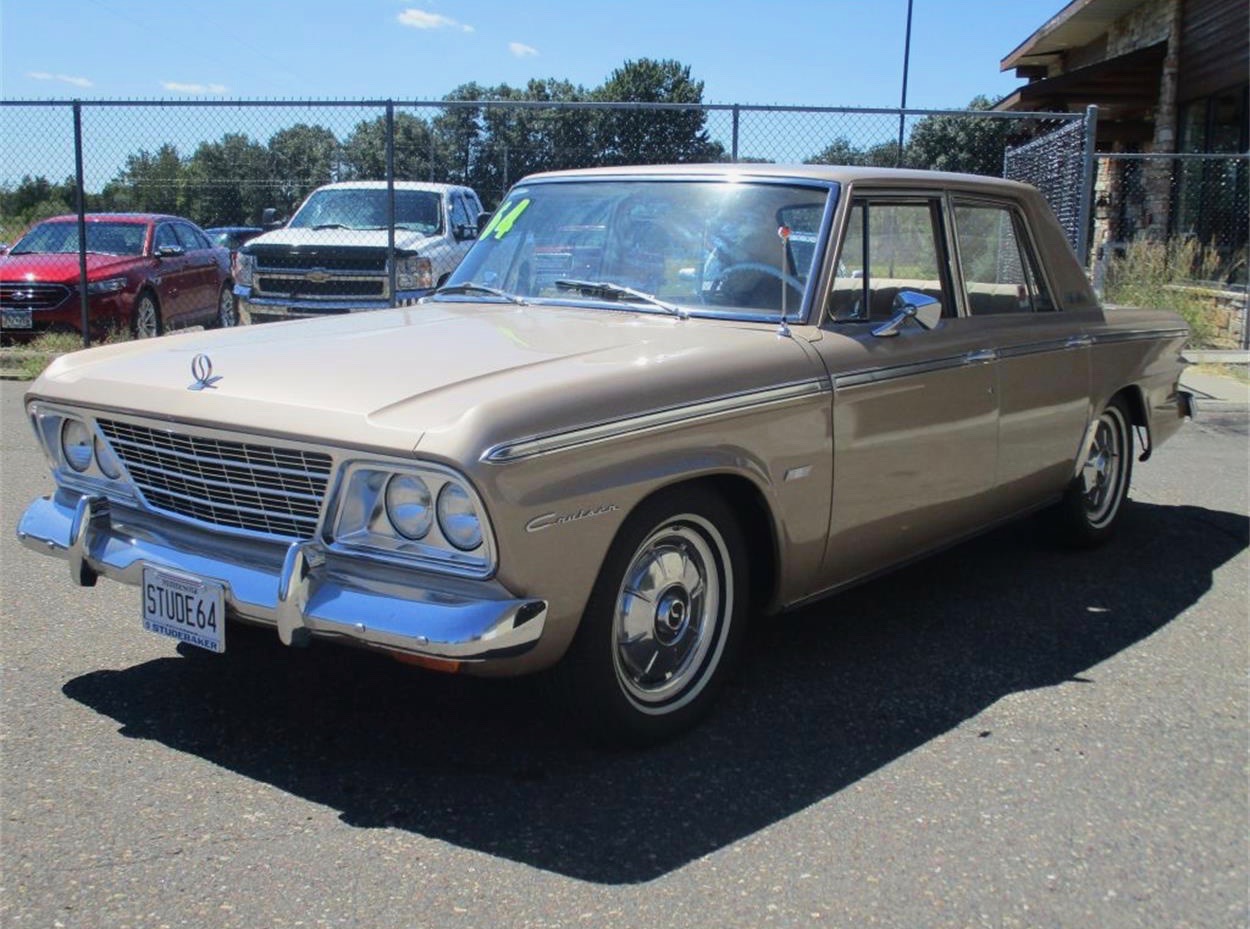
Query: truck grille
239,485
22,295
299,287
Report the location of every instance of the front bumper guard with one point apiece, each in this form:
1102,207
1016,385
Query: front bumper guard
303,594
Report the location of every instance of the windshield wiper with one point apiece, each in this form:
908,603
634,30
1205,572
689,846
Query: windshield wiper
470,288
331,226
609,290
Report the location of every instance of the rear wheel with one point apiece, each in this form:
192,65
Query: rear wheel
146,322
1091,508
227,315
663,623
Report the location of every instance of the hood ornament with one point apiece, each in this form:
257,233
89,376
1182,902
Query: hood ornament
202,371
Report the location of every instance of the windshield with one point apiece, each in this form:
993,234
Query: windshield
706,247
103,238
365,208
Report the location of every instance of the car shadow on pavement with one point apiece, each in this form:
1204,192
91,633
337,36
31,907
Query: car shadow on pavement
826,697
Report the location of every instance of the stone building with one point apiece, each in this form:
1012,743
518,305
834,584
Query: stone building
1168,76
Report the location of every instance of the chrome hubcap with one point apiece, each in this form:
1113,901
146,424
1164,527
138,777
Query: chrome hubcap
670,612
1103,473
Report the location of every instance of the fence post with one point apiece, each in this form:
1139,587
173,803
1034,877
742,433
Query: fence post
80,205
390,198
734,145
1085,212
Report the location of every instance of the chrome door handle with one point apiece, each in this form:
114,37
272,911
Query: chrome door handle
1079,341
981,356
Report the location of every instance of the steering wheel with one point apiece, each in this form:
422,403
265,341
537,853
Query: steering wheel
717,285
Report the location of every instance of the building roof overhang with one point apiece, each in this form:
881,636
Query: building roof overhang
1076,25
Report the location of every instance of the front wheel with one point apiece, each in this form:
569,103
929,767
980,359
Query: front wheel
1091,508
146,323
663,622
227,315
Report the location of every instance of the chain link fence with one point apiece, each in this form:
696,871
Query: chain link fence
415,176
1170,231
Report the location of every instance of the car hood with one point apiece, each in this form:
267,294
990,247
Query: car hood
452,379
60,268
405,239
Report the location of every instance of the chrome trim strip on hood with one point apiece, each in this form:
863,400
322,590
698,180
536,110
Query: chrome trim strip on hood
657,419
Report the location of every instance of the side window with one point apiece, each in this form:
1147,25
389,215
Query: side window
189,238
165,235
890,245
999,270
459,212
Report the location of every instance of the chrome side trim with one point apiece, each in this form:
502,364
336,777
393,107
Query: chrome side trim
894,372
1137,335
1039,348
657,419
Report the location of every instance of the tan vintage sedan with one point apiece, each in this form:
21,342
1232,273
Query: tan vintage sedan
651,405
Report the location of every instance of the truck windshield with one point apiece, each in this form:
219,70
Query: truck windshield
365,208
737,249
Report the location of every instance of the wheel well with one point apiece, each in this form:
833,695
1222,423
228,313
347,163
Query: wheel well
748,505
1135,402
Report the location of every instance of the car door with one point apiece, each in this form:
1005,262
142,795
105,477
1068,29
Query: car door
915,414
171,275
203,274
1043,358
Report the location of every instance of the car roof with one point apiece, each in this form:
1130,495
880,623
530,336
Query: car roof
841,174
399,185
137,218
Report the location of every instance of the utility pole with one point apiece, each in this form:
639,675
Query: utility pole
902,105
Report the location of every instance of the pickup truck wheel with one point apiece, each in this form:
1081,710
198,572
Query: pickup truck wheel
663,623
1091,508
146,321
227,316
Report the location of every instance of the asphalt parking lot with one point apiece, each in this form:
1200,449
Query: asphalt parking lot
1007,734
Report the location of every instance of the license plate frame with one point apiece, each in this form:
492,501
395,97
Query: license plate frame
184,607
22,318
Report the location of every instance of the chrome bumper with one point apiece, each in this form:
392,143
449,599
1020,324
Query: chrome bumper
301,590
252,307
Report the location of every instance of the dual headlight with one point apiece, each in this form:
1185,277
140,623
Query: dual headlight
413,272
423,513
77,452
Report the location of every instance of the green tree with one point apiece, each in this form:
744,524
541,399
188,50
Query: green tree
364,152
301,159
227,182
149,183
972,144
628,136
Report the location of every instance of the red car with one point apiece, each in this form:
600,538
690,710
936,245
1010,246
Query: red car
146,273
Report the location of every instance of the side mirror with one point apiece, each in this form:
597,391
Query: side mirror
483,218
924,310
269,218
463,232
170,251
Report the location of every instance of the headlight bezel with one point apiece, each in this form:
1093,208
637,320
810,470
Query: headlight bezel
50,423
413,272
112,285
357,521
243,268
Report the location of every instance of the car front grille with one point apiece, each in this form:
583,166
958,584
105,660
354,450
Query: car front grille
23,295
239,485
354,261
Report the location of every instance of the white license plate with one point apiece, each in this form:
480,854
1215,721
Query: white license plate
189,609
16,319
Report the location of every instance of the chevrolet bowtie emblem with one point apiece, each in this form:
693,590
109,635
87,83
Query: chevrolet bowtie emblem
318,276
202,371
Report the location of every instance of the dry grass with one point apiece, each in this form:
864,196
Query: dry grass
1148,276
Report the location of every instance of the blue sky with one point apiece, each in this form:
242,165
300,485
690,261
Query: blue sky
805,52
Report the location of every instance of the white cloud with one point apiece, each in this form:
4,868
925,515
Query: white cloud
423,19
180,88
521,50
63,78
